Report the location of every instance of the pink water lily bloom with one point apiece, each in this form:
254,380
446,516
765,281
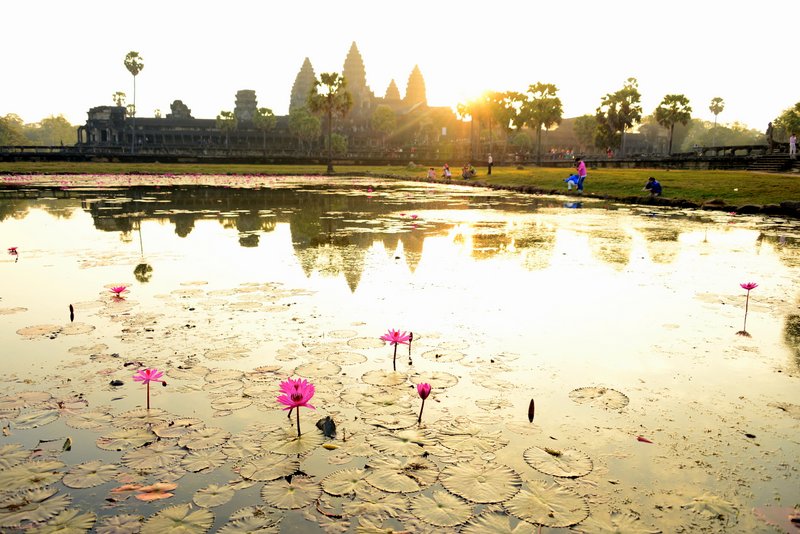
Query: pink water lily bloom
396,336
424,390
296,393
12,251
145,376
118,290
749,285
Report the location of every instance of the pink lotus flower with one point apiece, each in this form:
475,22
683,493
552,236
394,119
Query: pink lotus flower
296,393
395,337
414,216
423,390
748,286
118,290
145,376
12,251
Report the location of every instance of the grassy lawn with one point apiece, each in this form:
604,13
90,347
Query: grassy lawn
735,188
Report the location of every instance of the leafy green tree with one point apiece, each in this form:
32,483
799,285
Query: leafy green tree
617,113
12,131
52,131
227,122
468,110
673,109
383,121
118,98
264,120
304,126
541,109
157,113
334,101
339,144
716,107
788,122
134,63
585,126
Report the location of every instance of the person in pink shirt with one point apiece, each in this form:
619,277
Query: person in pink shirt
580,166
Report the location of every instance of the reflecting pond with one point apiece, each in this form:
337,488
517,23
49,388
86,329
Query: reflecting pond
618,330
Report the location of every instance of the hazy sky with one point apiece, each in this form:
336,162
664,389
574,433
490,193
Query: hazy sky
61,57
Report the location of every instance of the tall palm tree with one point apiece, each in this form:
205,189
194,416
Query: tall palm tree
716,107
334,101
134,63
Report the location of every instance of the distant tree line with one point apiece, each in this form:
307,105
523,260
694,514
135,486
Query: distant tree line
52,131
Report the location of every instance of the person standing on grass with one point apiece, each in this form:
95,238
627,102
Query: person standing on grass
580,166
489,163
792,147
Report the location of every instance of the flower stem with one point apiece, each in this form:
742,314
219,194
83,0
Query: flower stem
419,419
394,358
148,395
298,422
746,305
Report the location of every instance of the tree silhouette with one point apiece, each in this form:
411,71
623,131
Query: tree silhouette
264,120
542,109
334,101
134,63
716,107
672,110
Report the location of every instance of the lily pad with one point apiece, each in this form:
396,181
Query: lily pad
615,522
156,456
12,454
180,519
36,506
177,427
251,525
141,418
298,492
67,522
710,505
496,524
126,439
437,379
401,475
548,504
401,443
286,441
365,343
600,397
39,330
318,369
443,355
378,506
30,475
346,358
481,483
559,462
90,474
441,509
120,524
213,495
36,418
204,438
383,378
392,421
203,460
343,482
269,467
73,329
88,420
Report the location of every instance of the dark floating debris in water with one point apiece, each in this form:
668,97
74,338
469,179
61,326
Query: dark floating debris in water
643,439
328,426
71,313
749,435
117,383
531,411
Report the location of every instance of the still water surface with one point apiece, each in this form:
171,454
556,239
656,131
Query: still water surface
619,322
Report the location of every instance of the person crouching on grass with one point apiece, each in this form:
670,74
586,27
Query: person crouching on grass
653,186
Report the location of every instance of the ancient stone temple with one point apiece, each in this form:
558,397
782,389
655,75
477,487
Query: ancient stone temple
246,105
303,84
415,90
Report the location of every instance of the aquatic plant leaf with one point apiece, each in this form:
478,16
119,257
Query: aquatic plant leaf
548,504
365,343
383,378
441,509
291,494
73,329
343,482
481,483
443,355
12,454
342,334
39,330
24,399
120,524
159,455
599,397
88,420
156,492
377,506
36,418
709,505
240,447
384,402
319,368
251,525
67,522
496,523
177,428
269,467
204,438
392,421
179,519
615,522
90,474
213,495
35,506
203,460
464,435
401,475
257,511
402,442
288,442
346,358
141,418
231,403
126,439
437,379
566,463
30,475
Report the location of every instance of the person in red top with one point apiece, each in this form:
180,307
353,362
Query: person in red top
580,166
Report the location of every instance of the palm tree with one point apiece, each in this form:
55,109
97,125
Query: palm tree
227,122
264,120
134,63
672,110
334,101
716,107
542,109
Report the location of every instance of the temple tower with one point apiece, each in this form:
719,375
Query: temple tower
246,105
303,84
356,77
415,90
392,92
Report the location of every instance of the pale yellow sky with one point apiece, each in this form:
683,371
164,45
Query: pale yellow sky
65,57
